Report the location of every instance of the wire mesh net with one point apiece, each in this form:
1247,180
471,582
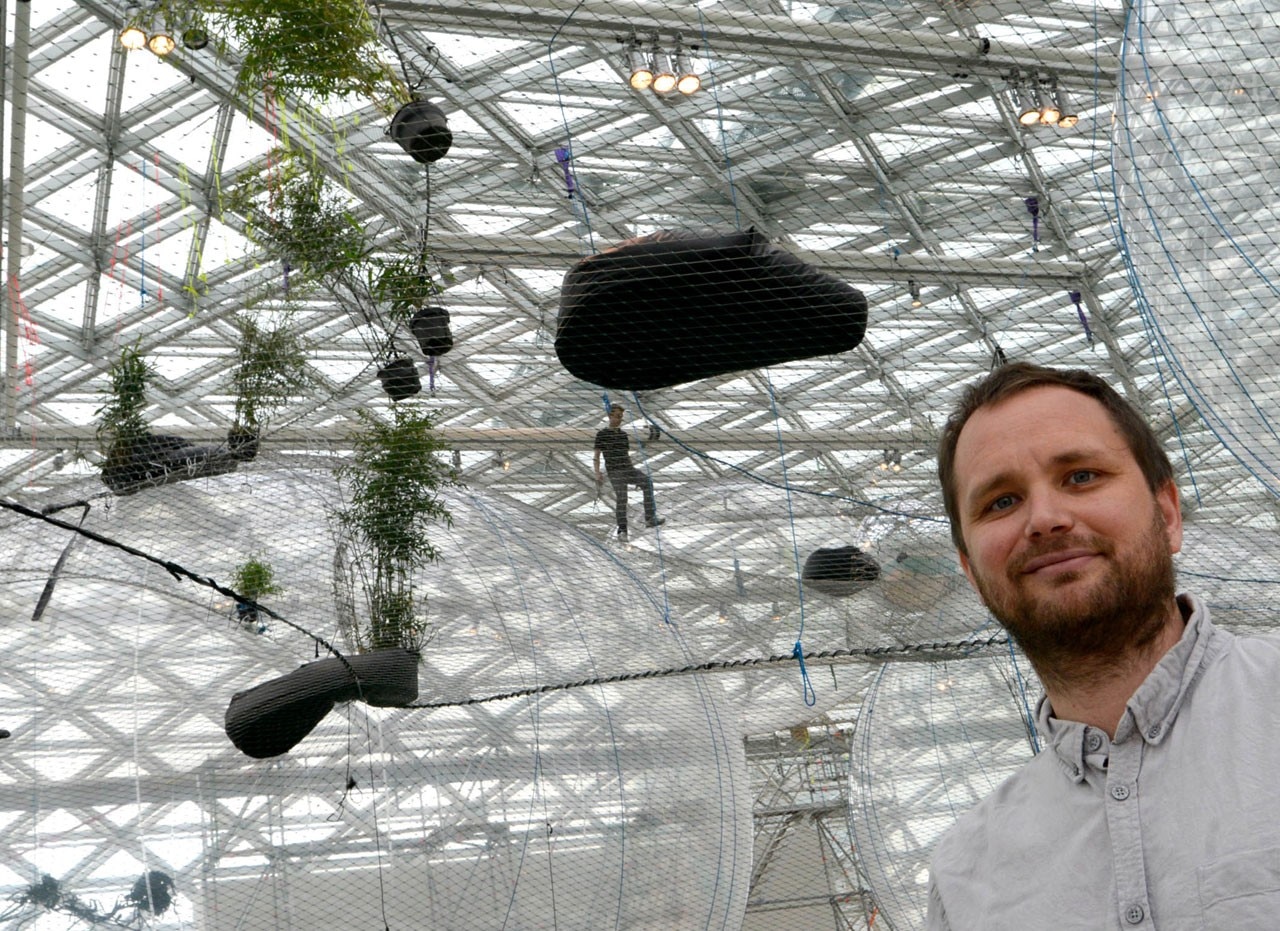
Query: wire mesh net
334,595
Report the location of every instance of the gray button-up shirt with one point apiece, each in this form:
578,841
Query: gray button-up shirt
1174,824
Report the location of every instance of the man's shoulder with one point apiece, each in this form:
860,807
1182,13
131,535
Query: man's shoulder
1006,815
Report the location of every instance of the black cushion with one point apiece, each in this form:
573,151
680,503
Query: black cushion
671,308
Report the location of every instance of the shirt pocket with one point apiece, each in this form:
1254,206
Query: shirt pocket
1241,891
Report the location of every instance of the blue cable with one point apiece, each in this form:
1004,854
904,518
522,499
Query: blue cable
568,136
806,685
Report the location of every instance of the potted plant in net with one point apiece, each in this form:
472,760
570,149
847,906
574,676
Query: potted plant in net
133,457
253,579
270,370
394,484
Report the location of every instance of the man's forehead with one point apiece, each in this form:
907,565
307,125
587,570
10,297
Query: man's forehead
1055,424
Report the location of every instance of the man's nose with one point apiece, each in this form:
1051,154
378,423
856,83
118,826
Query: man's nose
1048,512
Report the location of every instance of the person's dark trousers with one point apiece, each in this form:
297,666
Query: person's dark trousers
620,481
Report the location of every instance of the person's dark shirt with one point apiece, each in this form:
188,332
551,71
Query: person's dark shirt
614,444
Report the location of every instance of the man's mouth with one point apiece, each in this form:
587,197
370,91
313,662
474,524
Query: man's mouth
1058,561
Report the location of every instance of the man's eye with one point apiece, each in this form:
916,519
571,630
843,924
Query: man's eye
1004,502
1082,476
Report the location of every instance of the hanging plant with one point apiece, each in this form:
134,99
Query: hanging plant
292,209
133,457
394,483
270,370
254,579
120,420
315,50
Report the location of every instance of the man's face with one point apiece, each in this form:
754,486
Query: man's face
1066,544
615,416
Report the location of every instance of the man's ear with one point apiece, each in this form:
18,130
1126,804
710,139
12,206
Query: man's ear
968,570
1171,510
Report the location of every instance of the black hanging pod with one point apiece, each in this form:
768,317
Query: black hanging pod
400,379
422,131
430,327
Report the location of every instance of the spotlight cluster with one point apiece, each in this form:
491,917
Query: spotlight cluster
159,41
654,70
1041,102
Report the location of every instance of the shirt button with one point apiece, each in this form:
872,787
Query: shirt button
1153,732
1134,914
1094,741
1120,793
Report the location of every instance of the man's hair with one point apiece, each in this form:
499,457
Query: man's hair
1017,377
616,409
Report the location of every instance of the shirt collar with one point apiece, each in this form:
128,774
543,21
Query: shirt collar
1150,712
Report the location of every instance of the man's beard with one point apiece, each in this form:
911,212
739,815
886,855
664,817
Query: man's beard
1094,631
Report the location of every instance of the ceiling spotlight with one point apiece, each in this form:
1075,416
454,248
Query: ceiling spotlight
641,70
914,290
1050,113
1068,117
688,82
195,38
161,44
664,76
1028,107
132,38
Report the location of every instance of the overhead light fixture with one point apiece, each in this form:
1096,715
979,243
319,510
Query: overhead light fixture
687,83
161,44
640,68
664,75
1046,91
1028,106
914,289
133,38
1068,117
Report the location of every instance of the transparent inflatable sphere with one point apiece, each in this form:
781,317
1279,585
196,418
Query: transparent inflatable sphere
1195,177
595,805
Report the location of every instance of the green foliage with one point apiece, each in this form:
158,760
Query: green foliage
316,49
401,282
255,578
271,369
120,419
299,215
394,481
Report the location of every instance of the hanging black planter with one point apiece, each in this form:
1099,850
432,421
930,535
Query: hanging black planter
158,459
841,570
269,719
430,327
422,131
243,443
400,378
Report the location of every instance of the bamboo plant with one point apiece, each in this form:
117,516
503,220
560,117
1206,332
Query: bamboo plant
270,370
394,485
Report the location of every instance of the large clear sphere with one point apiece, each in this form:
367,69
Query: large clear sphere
577,804
1196,175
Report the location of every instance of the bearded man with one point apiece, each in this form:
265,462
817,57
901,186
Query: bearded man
1156,801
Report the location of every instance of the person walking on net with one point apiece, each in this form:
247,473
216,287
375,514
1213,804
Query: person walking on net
613,444
1155,804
